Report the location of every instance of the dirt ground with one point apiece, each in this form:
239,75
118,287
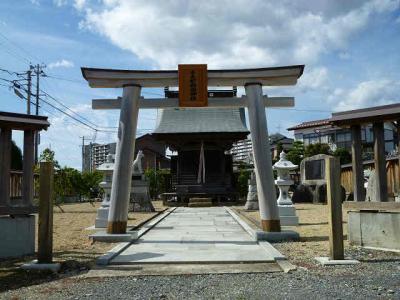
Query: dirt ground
313,229
77,254
71,244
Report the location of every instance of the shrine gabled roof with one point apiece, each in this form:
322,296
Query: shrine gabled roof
19,121
207,120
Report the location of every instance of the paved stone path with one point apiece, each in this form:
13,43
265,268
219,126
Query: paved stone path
195,235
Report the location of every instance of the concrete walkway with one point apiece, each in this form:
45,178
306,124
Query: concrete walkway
195,235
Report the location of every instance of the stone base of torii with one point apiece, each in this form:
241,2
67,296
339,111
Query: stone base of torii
132,83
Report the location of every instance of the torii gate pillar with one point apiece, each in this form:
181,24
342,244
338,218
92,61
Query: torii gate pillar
262,159
122,176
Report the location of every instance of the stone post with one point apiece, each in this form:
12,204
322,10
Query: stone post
332,175
45,231
269,213
121,187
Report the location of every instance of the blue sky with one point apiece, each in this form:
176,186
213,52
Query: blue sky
350,49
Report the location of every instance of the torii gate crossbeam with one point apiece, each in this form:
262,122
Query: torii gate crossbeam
133,80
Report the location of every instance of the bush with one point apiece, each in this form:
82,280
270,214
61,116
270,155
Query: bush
159,181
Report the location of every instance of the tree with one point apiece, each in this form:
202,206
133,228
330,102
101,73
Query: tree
90,183
158,181
343,154
49,155
296,153
318,148
16,157
279,149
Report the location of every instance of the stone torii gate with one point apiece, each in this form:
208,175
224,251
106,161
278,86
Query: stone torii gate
200,78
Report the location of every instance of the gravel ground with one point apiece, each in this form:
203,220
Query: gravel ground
373,278
376,277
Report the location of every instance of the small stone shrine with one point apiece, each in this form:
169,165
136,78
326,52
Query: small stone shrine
107,169
287,211
140,194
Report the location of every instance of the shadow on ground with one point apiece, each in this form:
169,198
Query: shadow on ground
12,277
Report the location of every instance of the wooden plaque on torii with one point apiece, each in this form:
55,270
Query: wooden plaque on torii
193,85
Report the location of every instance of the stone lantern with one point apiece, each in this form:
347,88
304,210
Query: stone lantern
107,169
287,211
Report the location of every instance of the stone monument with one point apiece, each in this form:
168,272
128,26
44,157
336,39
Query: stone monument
252,199
107,169
370,185
287,211
140,194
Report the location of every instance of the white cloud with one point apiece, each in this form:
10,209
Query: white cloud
79,4
365,94
63,63
234,33
314,78
60,3
35,2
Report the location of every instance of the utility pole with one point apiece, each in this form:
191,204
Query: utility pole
83,153
28,98
38,72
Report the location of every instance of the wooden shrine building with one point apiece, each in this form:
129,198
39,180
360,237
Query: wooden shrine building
201,138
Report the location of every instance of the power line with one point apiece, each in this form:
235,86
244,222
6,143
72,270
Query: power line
19,57
19,47
65,79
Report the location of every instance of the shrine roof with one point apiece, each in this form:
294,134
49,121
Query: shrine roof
310,124
19,121
207,120
389,112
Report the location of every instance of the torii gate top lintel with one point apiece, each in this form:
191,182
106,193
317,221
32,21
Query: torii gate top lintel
114,78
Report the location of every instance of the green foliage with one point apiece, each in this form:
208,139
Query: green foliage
243,179
49,155
89,183
69,182
16,157
343,154
159,181
279,147
318,148
296,153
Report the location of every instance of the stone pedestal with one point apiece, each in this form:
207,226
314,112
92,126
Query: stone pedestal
287,213
140,195
102,217
252,199
17,236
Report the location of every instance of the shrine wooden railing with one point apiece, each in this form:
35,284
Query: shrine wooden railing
16,185
392,171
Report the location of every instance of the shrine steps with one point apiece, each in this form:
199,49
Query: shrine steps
200,202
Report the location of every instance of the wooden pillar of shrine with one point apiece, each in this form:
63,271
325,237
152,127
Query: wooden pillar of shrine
357,163
381,192
5,165
28,165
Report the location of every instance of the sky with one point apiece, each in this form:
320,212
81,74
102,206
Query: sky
350,50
